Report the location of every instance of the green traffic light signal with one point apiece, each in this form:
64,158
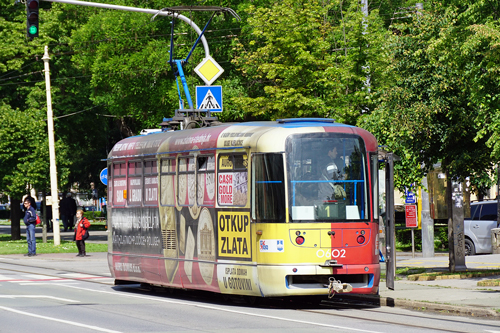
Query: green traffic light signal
33,30
32,9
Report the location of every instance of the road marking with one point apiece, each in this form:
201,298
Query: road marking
223,309
40,296
95,328
32,278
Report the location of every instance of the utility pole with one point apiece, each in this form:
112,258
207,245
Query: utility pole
427,222
52,153
456,236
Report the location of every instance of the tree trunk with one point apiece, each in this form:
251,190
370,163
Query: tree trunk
15,219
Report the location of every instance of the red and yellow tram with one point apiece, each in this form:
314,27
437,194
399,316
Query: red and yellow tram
265,209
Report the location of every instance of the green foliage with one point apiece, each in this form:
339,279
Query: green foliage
306,58
403,238
429,114
433,79
91,215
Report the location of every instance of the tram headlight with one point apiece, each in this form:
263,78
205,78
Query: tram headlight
361,239
300,240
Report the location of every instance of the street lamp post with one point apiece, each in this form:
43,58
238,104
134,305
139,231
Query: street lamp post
52,153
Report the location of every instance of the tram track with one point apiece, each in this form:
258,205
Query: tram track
397,318
54,275
362,311
371,319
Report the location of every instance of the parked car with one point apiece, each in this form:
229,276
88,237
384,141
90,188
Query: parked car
483,218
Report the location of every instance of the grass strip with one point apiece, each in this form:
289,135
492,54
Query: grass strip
8,246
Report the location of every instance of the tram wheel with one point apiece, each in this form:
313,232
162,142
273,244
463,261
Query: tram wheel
252,300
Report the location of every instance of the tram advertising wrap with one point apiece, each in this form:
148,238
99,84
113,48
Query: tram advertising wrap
137,230
267,209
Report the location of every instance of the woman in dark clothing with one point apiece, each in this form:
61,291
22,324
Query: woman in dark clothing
82,224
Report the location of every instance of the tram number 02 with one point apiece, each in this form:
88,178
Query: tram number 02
335,253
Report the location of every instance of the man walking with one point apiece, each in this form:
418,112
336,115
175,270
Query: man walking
30,221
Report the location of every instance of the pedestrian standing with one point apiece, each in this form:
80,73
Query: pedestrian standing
30,221
82,224
67,207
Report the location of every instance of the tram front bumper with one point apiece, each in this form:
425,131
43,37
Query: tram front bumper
316,280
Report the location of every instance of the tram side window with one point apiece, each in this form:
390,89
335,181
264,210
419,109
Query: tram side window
150,183
232,180
119,173
206,180
167,177
186,183
268,192
134,183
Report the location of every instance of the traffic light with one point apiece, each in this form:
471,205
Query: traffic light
32,7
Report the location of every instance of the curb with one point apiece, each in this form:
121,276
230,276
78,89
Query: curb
441,308
456,310
489,283
438,276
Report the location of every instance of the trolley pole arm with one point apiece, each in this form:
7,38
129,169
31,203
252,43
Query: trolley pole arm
199,37
171,61
184,83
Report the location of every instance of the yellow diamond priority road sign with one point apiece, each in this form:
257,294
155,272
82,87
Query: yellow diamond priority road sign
209,70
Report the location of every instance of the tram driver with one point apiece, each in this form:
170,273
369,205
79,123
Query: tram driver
328,190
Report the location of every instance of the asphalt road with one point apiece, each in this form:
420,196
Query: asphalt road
59,299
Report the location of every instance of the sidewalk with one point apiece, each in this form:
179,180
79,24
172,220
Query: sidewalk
95,236
447,296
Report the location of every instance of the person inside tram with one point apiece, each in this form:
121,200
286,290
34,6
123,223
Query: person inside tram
329,191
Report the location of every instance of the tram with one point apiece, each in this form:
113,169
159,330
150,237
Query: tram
269,209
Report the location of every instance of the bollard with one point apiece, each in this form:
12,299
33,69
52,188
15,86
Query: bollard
495,240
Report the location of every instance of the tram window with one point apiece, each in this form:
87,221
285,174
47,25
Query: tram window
186,181
119,170
268,188
232,179
134,168
327,177
135,183
150,167
206,180
119,184
150,183
167,177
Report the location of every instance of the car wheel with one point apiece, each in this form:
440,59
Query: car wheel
470,249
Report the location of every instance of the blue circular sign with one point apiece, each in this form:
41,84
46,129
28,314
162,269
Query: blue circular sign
104,176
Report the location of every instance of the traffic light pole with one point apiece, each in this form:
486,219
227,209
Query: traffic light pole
155,12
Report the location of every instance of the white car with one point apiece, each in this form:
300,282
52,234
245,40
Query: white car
483,218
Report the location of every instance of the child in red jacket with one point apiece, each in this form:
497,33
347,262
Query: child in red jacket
82,224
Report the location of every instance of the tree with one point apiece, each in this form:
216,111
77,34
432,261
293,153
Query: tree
308,59
428,116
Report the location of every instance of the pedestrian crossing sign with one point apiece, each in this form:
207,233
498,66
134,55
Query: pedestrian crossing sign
209,98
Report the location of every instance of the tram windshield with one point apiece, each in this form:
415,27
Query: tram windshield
327,177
